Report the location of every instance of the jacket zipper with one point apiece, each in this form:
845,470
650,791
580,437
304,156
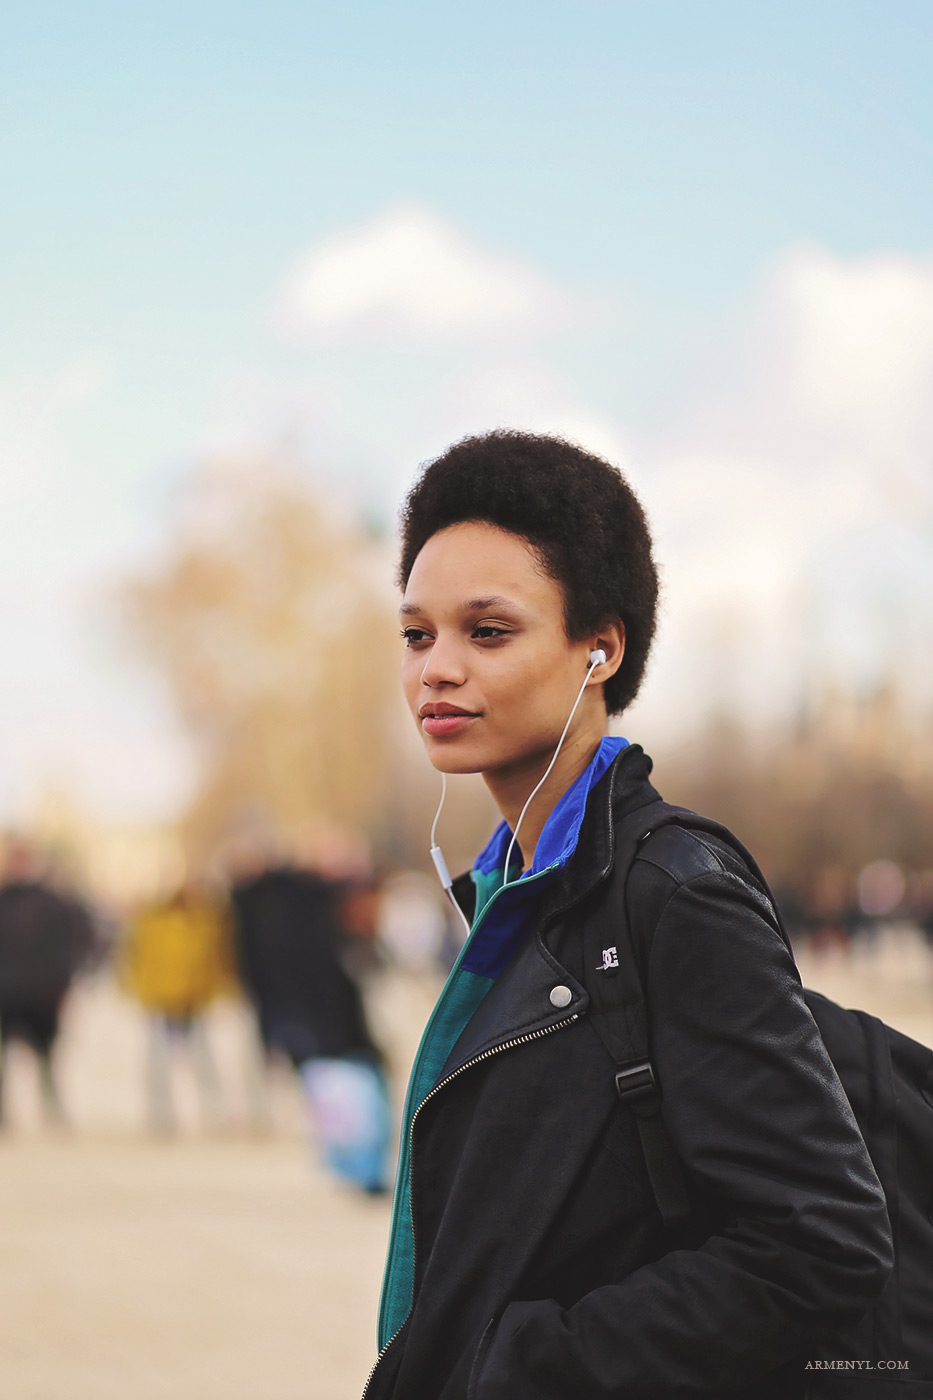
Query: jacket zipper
478,922
369,1378
477,1059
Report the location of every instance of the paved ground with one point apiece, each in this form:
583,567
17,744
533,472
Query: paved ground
213,1266
226,1267
196,1271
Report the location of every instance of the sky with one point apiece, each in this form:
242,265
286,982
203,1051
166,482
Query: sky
695,235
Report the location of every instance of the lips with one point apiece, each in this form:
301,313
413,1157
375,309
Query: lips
440,707
440,719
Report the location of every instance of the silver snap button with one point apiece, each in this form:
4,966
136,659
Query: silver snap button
561,996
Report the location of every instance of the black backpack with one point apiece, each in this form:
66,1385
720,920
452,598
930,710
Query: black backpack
888,1079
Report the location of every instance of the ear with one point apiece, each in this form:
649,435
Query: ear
611,640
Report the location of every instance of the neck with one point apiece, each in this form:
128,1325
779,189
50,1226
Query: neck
511,786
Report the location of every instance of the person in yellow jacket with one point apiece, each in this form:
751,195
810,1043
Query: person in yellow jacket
177,959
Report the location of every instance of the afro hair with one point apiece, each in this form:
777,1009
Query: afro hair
576,511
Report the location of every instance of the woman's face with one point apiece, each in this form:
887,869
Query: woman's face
488,671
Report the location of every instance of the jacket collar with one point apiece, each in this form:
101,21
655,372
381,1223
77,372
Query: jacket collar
558,839
624,788
518,1004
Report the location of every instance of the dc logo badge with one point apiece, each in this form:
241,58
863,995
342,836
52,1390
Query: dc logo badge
610,959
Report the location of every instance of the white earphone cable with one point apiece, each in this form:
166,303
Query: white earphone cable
437,855
440,808
547,772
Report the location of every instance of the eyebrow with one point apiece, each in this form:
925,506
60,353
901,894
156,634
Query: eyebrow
471,605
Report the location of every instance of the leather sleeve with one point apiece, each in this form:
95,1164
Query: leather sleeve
757,1113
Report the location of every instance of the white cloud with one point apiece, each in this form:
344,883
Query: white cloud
833,354
408,276
860,341
794,509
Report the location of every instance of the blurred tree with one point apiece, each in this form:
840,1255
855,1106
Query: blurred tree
851,783
271,622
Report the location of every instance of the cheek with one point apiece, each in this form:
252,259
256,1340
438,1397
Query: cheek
526,694
410,674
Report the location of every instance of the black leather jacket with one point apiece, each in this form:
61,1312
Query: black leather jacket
542,1268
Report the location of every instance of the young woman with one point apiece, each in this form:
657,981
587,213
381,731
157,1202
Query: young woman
528,1259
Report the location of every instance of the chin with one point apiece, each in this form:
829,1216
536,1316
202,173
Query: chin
446,761
447,756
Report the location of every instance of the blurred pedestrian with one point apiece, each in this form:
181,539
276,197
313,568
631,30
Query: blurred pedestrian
289,940
177,959
44,936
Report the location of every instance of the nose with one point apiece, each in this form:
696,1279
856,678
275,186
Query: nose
444,665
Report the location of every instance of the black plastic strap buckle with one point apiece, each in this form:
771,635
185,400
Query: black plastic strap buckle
636,1083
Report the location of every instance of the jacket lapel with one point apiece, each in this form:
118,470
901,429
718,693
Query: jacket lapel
519,1004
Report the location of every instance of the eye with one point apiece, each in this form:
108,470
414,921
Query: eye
486,632
414,635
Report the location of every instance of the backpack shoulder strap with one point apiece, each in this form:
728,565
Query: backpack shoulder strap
619,1017
619,1013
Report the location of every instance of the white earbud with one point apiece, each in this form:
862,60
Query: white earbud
597,657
